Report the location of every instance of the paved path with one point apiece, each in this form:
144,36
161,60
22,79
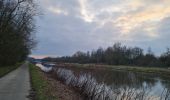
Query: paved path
15,85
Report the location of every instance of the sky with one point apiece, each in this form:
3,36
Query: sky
67,26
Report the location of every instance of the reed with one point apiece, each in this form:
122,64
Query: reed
87,85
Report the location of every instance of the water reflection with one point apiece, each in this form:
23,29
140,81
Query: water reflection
156,84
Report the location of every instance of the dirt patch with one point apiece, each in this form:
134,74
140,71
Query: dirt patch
59,90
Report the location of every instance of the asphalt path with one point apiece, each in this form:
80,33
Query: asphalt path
16,84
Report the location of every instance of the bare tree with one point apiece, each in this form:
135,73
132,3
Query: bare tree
16,30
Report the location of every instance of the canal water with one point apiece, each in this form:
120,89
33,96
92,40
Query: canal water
152,83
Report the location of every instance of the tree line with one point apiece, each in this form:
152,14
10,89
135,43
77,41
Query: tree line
16,30
118,55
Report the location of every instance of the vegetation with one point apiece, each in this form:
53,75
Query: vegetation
92,90
16,30
7,69
118,55
160,71
39,84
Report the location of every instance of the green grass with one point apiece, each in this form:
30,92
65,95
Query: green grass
162,71
6,69
39,84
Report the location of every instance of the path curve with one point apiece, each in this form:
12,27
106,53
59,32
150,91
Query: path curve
16,84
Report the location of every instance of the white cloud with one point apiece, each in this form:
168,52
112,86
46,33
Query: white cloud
86,15
57,10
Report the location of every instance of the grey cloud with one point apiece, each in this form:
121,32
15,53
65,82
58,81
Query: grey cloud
159,44
60,34
71,6
164,28
63,34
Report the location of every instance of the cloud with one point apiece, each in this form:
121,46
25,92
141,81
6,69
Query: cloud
164,27
87,16
68,26
57,10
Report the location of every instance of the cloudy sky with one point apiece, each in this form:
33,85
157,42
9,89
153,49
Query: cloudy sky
67,26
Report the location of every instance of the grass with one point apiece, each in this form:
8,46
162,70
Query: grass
92,90
39,84
162,71
6,69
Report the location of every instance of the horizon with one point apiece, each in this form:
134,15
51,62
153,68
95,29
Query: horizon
67,27
55,56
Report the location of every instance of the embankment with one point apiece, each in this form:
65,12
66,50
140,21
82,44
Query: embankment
47,88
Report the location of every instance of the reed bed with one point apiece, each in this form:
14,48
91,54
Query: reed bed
87,85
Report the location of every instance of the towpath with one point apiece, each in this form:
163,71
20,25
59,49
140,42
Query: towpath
16,84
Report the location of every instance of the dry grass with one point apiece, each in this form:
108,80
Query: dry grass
47,88
92,90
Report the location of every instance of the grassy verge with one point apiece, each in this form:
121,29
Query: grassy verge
6,69
162,71
39,84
